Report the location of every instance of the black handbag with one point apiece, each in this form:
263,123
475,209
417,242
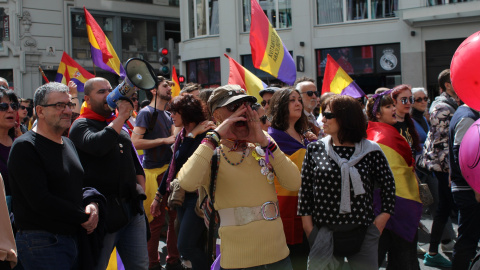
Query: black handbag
116,215
347,243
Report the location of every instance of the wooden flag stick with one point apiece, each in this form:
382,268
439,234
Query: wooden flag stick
43,74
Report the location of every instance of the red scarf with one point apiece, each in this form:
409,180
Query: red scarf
89,114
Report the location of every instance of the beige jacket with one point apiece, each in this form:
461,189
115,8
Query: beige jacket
8,249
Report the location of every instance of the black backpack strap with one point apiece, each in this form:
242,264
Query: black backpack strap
211,225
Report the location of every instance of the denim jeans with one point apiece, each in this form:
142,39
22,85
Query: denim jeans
442,215
44,250
131,243
190,233
468,229
284,264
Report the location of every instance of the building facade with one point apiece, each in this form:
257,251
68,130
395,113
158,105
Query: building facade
378,42
36,33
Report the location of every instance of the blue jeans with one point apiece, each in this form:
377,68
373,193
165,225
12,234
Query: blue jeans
190,233
468,229
284,264
131,243
44,250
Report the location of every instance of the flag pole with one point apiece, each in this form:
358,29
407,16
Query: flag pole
94,72
43,74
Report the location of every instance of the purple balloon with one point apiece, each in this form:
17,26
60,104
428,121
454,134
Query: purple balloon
469,156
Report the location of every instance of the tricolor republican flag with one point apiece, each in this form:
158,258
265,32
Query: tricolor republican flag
243,77
408,206
176,87
337,81
103,54
69,70
268,51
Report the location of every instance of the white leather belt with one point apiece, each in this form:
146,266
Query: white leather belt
243,215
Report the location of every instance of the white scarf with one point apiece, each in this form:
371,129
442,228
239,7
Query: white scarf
348,171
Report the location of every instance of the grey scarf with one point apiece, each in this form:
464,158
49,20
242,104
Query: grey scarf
348,171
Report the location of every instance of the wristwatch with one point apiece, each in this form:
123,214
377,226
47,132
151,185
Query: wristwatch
190,135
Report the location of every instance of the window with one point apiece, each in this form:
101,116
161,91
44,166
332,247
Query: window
271,9
204,71
172,30
445,2
204,17
369,66
335,11
139,39
4,28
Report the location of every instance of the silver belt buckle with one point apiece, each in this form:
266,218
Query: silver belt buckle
264,214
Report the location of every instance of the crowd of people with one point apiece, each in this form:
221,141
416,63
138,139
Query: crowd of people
293,181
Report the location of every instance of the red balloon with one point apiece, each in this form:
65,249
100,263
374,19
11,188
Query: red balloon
465,71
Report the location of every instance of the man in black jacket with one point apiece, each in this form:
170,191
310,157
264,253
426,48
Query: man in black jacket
111,166
47,192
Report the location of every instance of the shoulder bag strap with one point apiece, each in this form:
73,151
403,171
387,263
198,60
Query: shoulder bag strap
211,225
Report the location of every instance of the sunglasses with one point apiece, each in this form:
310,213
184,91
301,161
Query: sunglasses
134,99
263,118
311,93
4,106
406,100
60,105
234,106
418,100
328,115
23,107
265,102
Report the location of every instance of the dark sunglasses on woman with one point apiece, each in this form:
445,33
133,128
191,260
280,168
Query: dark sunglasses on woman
405,100
4,106
328,115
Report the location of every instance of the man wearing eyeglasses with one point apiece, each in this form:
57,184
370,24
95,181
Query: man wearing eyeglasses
308,91
111,166
49,203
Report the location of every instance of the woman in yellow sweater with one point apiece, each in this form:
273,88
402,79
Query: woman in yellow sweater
251,230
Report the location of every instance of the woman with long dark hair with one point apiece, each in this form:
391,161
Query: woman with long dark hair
189,114
289,123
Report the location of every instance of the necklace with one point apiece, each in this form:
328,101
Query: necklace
301,141
229,162
401,118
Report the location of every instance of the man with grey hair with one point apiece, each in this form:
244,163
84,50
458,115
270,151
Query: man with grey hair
308,91
47,197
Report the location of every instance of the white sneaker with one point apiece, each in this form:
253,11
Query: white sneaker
448,248
420,250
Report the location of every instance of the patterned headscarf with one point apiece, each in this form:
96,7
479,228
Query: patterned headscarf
377,98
